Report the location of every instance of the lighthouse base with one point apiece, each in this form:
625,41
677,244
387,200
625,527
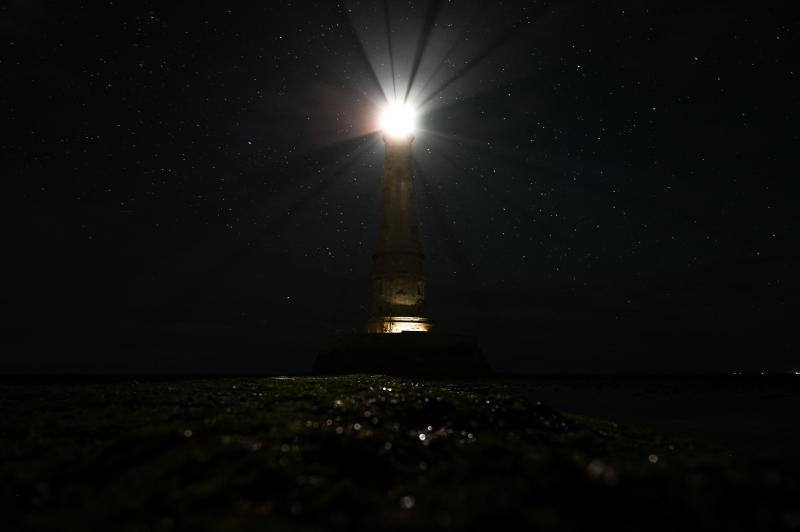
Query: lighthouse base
398,324
405,353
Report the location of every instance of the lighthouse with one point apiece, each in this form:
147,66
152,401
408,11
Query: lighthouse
397,279
397,285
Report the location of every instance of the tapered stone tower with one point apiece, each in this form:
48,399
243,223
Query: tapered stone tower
397,284
397,281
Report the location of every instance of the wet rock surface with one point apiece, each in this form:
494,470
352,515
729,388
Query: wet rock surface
360,452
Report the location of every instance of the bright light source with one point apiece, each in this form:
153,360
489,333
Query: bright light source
399,324
398,120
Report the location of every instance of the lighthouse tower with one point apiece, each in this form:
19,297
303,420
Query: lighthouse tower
397,280
397,283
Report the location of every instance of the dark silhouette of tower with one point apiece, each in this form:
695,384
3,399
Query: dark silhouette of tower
397,280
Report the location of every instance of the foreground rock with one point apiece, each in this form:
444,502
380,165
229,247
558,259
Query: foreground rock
323,453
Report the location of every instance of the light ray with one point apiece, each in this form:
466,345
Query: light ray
362,54
473,63
456,43
422,42
387,19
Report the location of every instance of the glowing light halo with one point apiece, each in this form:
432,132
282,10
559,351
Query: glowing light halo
398,120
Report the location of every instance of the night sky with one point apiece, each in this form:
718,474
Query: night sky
602,186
